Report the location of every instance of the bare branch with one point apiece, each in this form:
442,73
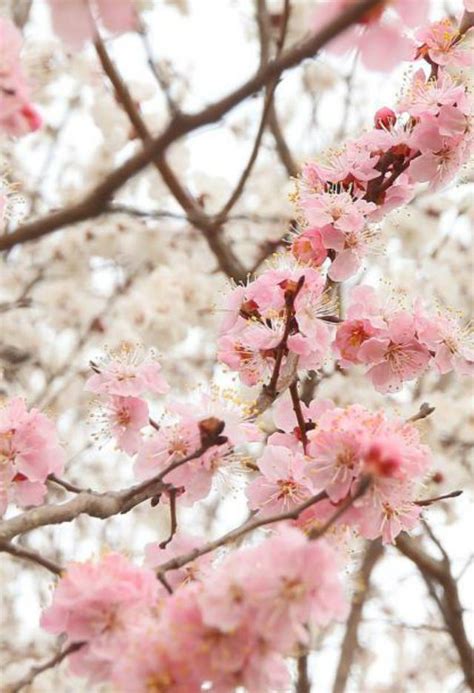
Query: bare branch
57,659
439,571
350,643
28,555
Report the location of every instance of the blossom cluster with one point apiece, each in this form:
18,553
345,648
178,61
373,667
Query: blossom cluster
338,449
121,380
427,139
18,116
285,304
284,315
232,626
29,453
398,343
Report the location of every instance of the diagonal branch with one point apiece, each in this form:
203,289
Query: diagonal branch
439,572
226,259
28,555
95,202
101,505
54,661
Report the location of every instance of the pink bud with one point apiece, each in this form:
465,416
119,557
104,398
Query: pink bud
385,118
32,117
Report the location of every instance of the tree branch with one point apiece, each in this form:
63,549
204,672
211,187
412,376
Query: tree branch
101,505
95,202
57,659
350,642
439,571
28,555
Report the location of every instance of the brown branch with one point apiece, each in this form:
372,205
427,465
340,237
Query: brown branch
28,555
57,659
439,571
264,30
95,202
290,298
446,496
235,534
303,684
350,643
227,261
100,505
66,485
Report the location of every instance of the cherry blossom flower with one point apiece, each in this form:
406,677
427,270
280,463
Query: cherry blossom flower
352,443
74,21
397,355
123,418
450,341
284,483
29,452
251,341
440,43
128,372
95,603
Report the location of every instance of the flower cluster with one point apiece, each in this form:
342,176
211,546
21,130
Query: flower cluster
279,318
120,380
399,344
427,139
29,452
343,447
17,114
231,628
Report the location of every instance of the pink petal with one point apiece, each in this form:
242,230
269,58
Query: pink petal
382,47
344,266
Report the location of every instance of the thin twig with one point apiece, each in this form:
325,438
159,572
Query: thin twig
29,555
235,534
57,659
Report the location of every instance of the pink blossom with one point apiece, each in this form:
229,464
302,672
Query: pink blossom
17,115
128,372
283,483
375,31
308,248
294,593
29,452
91,597
397,356
74,21
450,341
349,338
170,444
253,339
124,418
385,511
440,43
338,209
353,443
